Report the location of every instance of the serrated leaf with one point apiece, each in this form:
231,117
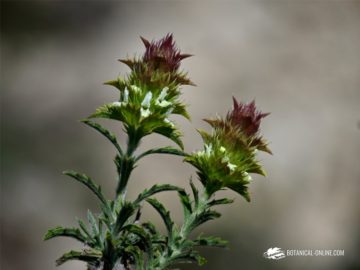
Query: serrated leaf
163,150
88,182
203,217
142,234
155,189
195,193
171,133
165,215
66,232
220,201
87,255
125,213
110,136
186,203
210,241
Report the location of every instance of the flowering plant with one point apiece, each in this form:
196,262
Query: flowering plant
118,238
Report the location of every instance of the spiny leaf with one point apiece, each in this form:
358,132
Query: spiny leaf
92,221
165,215
143,235
110,136
220,201
87,255
170,133
84,229
163,150
155,189
195,193
82,178
186,203
204,217
210,241
189,256
125,213
66,232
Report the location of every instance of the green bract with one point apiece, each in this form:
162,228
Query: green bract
118,237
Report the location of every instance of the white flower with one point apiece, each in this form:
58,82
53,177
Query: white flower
169,111
126,95
160,101
169,122
222,149
247,176
163,103
116,104
231,166
145,112
147,99
208,149
163,93
135,88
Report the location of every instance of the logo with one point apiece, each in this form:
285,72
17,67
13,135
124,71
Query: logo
274,253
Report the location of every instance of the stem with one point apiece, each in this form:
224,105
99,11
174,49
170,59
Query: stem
127,162
166,258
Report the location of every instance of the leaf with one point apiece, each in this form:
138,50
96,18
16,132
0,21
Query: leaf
220,201
189,256
186,203
137,255
125,213
241,189
163,150
82,178
84,229
203,217
66,232
195,193
210,241
143,235
92,221
165,215
110,136
171,133
155,189
87,255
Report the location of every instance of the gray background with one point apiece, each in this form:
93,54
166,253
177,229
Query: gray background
299,59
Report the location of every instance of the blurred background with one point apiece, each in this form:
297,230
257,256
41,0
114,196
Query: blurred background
300,60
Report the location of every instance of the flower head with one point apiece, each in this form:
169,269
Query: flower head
160,63
246,117
234,143
163,54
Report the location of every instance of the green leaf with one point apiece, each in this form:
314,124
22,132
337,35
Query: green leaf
110,136
189,256
186,203
210,241
165,215
82,178
163,150
87,255
171,133
220,201
195,193
155,189
66,232
125,213
143,235
84,229
93,223
203,217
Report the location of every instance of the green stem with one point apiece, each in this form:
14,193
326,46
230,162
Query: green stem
166,258
127,162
